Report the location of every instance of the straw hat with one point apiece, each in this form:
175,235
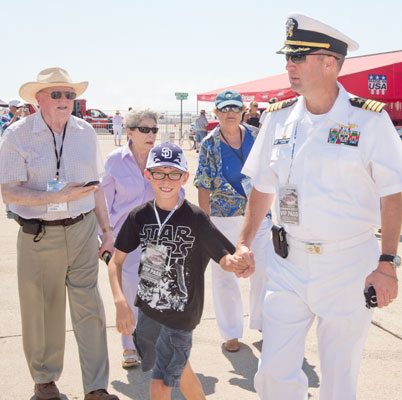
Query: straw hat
50,77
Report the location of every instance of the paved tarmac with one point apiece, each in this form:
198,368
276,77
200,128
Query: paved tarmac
223,375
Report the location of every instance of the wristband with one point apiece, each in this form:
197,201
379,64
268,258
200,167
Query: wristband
388,275
107,229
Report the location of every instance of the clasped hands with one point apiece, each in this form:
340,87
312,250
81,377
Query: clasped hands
241,262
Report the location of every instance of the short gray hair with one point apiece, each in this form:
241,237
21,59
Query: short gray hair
134,117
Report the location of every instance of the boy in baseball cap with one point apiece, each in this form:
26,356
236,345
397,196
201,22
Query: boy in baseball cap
177,240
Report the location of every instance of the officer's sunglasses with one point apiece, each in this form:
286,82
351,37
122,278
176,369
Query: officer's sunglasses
301,58
234,109
144,129
57,94
173,176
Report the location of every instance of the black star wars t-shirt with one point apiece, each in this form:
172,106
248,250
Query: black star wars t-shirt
176,298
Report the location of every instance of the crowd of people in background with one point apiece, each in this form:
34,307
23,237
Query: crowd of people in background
318,156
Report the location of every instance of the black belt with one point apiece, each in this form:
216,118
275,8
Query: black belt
57,222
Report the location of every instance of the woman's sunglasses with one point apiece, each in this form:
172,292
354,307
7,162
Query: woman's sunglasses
144,129
234,109
301,58
57,94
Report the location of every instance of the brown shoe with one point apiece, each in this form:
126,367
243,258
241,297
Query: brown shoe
232,345
46,391
100,394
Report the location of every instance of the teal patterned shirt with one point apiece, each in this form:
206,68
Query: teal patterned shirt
225,201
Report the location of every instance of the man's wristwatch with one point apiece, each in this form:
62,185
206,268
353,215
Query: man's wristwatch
395,260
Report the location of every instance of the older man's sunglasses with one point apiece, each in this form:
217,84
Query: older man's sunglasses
234,109
301,58
144,129
57,94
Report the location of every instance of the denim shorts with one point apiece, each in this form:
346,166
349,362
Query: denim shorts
199,135
165,350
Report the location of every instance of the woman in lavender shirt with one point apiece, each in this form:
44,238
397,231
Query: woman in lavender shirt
125,188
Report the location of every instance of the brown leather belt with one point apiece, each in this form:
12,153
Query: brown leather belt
57,222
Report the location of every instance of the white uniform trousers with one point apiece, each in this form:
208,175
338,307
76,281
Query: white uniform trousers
226,292
303,286
130,280
117,129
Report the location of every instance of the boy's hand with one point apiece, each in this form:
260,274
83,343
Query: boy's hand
238,264
248,258
125,322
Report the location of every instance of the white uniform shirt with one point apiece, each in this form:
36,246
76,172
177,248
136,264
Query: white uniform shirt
117,120
27,155
339,185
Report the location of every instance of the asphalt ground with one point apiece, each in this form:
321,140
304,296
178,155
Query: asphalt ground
223,375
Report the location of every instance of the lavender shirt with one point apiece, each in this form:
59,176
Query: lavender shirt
124,185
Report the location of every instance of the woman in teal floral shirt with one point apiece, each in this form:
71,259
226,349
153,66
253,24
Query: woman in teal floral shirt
222,194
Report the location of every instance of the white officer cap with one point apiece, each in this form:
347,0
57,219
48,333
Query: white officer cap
305,35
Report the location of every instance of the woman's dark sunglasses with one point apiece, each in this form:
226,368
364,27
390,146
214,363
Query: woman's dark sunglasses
173,176
301,58
144,129
56,94
234,109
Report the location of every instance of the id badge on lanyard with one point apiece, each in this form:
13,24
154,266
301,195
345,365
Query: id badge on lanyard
55,186
289,199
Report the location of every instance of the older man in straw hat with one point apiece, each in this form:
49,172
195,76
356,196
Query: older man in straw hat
53,155
331,159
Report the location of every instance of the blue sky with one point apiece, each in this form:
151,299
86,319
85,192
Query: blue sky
139,53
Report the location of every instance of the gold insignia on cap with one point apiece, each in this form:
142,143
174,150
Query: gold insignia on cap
290,24
312,44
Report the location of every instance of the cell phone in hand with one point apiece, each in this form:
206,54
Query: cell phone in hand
91,183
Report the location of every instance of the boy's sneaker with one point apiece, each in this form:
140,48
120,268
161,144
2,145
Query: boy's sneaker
100,394
46,391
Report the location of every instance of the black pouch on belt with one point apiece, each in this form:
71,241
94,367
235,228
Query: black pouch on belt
30,226
279,240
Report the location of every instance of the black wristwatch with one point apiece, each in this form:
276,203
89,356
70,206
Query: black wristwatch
395,260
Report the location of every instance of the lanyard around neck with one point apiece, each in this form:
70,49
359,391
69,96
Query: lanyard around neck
240,157
293,153
161,225
58,155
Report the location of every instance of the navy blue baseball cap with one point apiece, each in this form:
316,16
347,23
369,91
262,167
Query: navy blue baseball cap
167,155
228,98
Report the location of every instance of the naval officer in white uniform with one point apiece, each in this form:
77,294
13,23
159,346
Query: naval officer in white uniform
333,162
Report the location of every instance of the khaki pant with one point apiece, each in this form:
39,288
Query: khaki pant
65,256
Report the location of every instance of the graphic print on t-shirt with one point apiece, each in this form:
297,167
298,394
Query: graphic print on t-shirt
170,292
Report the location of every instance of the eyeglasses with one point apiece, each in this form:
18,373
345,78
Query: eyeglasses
57,94
173,176
234,109
144,129
301,58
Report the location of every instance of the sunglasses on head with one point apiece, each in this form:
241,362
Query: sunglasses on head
173,176
235,109
57,94
301,58
144,129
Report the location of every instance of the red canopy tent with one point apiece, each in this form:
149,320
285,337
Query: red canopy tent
375,76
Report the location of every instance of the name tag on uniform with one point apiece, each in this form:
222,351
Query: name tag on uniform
55,186
281,141
153,262
289,204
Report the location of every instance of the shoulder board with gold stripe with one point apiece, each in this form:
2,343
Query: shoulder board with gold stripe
367,104
281,104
